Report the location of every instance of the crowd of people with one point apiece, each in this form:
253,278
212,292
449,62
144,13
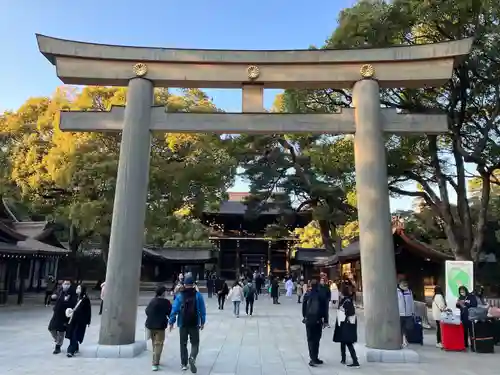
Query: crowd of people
72,311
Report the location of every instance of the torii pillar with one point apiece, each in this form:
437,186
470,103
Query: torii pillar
402,66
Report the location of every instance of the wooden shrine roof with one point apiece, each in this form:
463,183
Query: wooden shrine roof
196,254
26,237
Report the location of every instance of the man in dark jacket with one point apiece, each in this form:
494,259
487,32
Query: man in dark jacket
314,313
325,291
157,315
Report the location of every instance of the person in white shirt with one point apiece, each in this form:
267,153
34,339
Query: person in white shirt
236,296
103,287
406,307
438,307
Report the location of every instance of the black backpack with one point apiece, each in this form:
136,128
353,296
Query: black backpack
313,309
188,310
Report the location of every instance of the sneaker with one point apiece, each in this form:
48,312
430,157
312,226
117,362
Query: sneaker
318,362
439,345
312,364
70,355
155,368
192,365
342,362
353,365
184,368
57,349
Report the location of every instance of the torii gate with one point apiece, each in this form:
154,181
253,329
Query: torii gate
364,70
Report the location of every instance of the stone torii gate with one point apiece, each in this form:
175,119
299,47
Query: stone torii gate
364,70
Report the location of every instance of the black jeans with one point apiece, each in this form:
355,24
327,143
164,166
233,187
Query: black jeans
100,308
193,333
48,298
352,352
221,298
438,331
298,298
249,303
314,332
73,346
467,331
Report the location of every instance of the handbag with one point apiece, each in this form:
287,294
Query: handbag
447,317
342,318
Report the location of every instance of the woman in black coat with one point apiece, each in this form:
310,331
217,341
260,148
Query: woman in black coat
79,320
346,331
66,299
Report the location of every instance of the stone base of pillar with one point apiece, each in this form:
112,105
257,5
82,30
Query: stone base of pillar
113,351
392,356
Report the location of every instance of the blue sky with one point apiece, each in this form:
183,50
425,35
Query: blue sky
257,24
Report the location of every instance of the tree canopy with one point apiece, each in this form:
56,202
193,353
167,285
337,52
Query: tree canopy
71,176
471,100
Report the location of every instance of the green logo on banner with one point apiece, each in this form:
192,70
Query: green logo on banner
457,277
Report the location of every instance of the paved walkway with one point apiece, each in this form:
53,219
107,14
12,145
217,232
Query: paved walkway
269,343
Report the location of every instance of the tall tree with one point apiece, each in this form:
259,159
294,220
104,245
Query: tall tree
471,101
72,176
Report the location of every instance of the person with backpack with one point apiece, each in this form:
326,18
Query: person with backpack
190,312
250,293
314,314
157,315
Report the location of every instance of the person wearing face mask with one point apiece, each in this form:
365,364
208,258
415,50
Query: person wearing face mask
406,306
79,320
465,301
66,299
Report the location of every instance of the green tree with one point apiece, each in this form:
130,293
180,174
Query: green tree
72,176
470,100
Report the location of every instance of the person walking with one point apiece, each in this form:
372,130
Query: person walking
79,319
157,316
190,313
275,291
438,307
250,294
211,285
103,288
236,296
289,287
50,289
334,293
345,331
406,307
314,316
300,291
66,299
222,294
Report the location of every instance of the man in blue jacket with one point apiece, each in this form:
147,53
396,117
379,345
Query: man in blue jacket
190,313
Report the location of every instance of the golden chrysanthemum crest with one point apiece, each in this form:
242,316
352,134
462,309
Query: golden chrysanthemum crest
367,71
140,69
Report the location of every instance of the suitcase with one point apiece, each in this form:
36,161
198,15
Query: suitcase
496,331
482,336
452,337
416,334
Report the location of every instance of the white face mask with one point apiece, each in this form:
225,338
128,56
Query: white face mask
66,286
79,290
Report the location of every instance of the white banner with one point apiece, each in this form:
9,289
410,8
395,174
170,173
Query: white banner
458,273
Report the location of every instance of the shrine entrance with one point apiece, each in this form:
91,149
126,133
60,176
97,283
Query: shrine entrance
363,70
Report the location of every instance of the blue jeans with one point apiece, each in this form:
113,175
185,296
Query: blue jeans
236,308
